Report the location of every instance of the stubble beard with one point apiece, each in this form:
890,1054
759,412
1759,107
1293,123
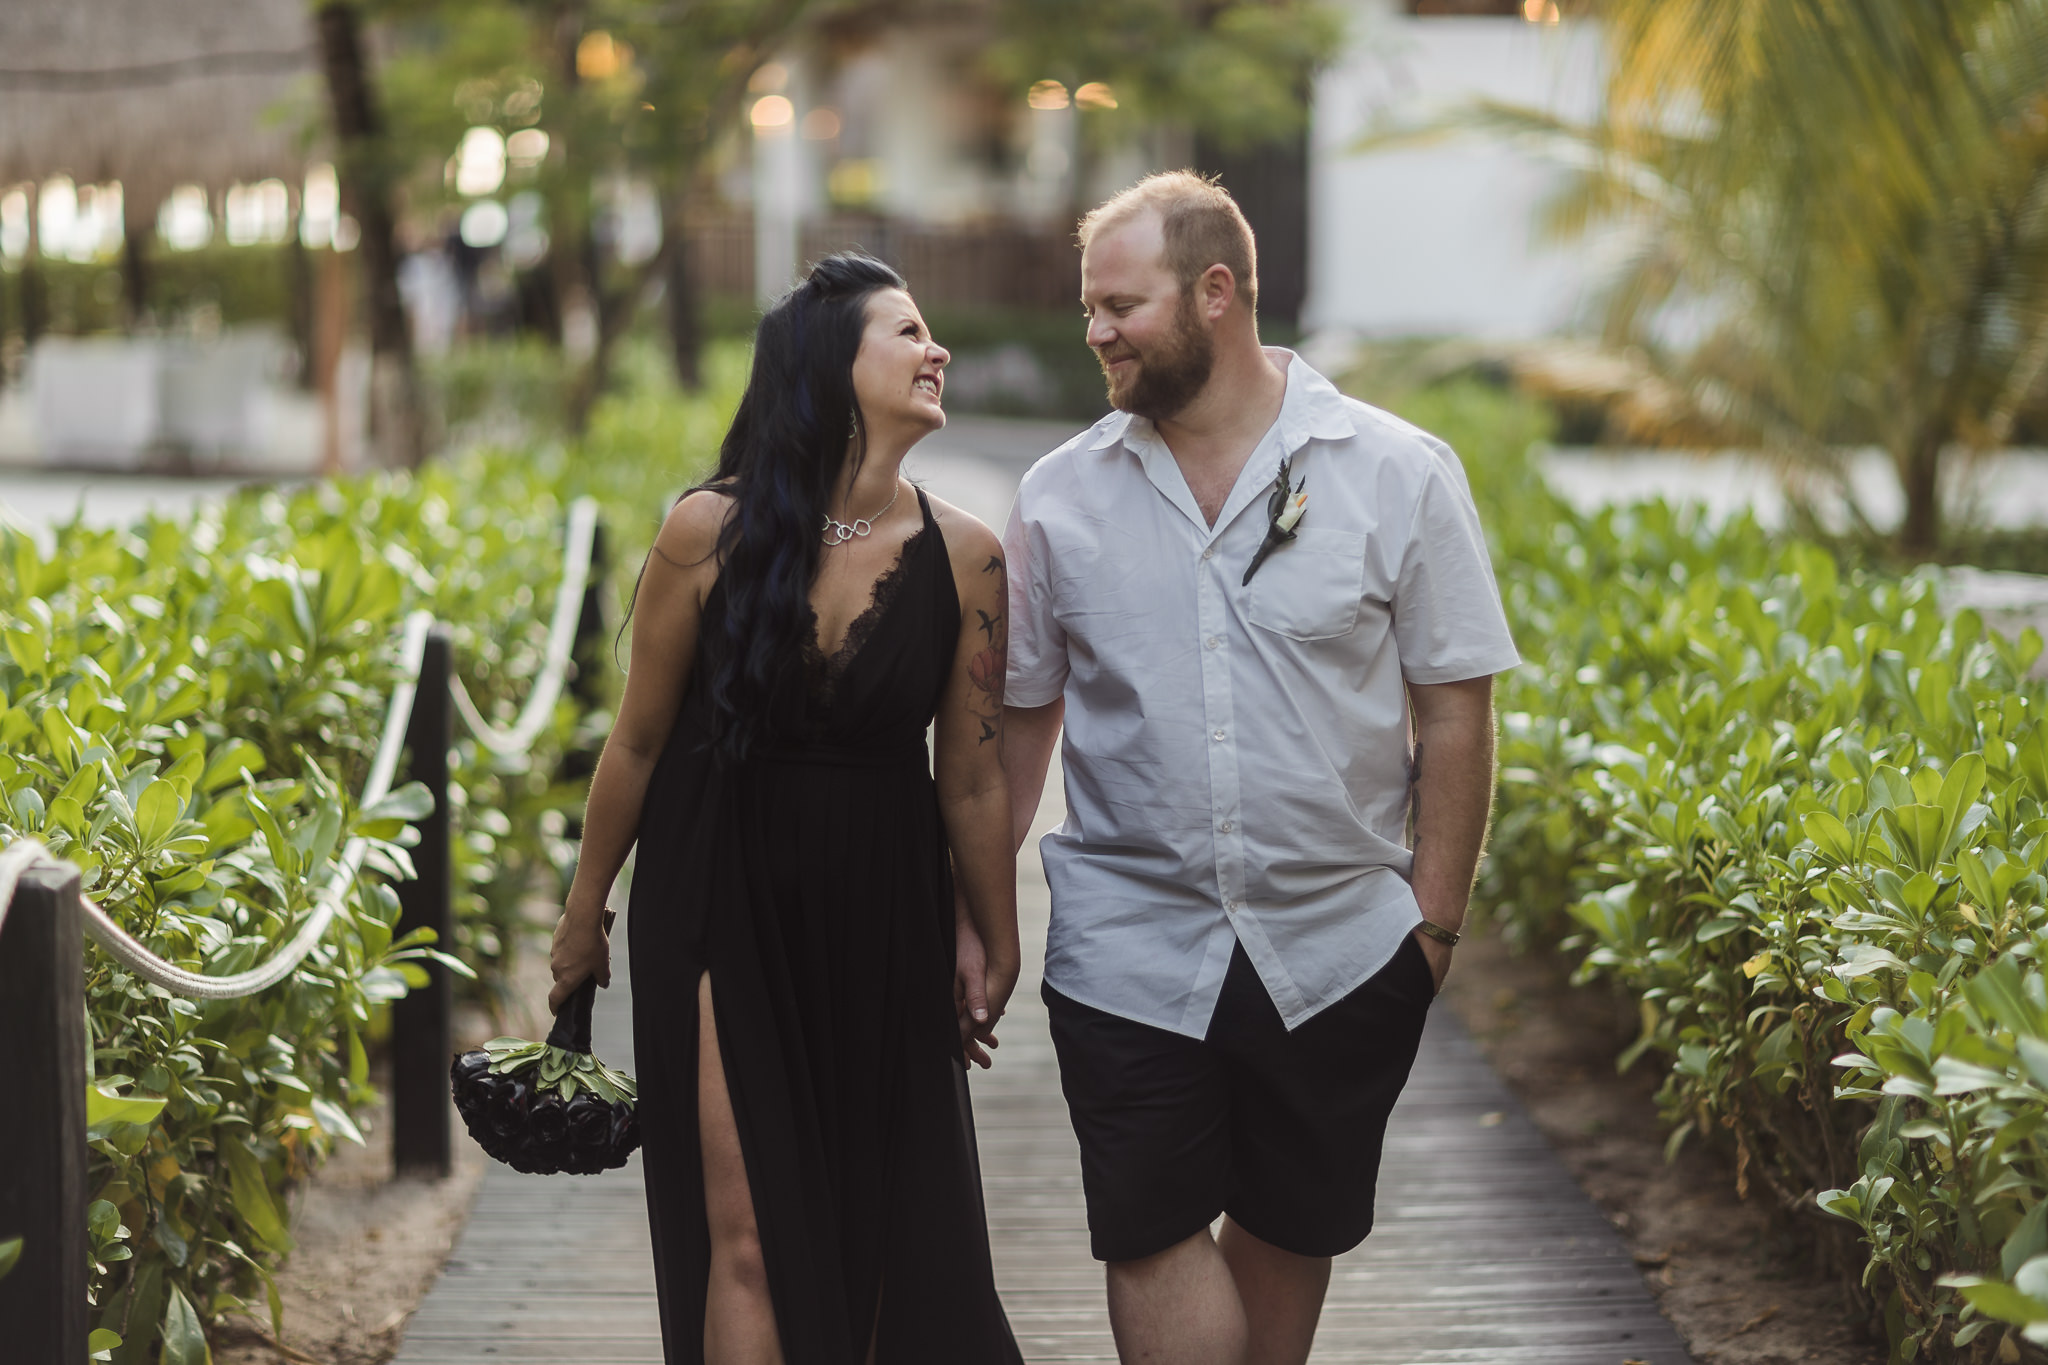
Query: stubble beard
1168,379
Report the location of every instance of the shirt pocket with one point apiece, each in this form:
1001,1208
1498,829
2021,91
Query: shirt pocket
1310,588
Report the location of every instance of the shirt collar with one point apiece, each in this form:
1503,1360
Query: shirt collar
1312,410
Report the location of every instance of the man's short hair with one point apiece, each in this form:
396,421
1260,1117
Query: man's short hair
1202,226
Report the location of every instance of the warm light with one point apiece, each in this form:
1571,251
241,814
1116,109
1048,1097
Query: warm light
480,162
185,220
771,79
484,224
319,204
347,232
773,111
1540,11
600,56
14,224
526,148
821,124
56,214
1047,95
1095,95
257,213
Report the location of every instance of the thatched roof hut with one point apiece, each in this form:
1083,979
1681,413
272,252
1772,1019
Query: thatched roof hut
156,93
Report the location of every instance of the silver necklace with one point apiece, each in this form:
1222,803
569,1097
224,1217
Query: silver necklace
839,532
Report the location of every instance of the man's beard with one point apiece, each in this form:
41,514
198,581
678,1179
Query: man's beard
1166,380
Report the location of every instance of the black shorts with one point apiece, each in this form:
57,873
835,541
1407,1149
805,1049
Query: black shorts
1280,1130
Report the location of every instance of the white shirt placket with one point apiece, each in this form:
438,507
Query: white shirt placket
1220,721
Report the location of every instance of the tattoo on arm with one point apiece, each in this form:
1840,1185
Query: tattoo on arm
986,669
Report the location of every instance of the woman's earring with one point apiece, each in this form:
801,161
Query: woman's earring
853,427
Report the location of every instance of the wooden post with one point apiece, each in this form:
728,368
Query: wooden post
42,1124
421,1042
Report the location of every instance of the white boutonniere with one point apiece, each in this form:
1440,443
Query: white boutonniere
1284,510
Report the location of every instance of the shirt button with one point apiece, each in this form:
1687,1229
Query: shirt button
1219,734
1225,827
1215,641
1230,907
1209,552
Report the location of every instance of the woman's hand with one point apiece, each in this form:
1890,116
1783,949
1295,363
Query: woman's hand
970,991
582,949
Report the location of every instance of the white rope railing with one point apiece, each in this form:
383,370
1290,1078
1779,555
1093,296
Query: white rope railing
547,689
124,948
22,855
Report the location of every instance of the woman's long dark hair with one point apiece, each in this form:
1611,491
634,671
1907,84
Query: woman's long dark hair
779,463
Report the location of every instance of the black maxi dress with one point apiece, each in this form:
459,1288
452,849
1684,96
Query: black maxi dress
812,883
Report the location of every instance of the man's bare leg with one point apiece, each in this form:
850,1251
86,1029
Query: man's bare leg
1281,1295
1179,1307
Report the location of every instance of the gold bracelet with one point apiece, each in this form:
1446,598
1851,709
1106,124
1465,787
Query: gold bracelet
1447,937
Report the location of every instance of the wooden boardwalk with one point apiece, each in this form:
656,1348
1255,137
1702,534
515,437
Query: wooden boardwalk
1485,1253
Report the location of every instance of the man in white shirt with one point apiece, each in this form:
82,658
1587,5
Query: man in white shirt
1241,593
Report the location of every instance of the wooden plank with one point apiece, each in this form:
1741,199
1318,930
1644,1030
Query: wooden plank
1485,1252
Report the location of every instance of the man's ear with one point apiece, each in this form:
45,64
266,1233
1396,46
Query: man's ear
1218,290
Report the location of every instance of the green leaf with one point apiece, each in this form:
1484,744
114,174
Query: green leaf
103,1343
104,1110
227,763
2001,1301
157,813
184,1341
1830,836
10,1253
145,1304
1920,831
413,801
253,1204
335,1120
2026,1241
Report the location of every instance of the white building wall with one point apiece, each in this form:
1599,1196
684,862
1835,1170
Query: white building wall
1441,239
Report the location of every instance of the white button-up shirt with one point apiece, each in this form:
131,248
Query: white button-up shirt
1237,756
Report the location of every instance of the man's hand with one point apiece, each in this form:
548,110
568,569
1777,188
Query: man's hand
1439,954
971,991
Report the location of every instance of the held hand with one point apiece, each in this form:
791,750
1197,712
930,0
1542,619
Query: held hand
582,949
971,993
1439,955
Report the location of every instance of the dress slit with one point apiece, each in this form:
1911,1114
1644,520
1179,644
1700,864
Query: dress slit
811,883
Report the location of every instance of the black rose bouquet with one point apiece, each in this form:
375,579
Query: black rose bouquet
550,1107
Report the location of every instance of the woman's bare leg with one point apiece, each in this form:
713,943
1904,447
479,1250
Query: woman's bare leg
739,1315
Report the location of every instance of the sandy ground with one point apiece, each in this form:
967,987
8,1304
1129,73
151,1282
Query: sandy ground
1737,1295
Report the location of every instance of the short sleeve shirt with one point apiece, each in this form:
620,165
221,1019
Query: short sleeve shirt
1237,755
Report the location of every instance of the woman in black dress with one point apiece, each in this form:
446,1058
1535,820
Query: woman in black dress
800,1020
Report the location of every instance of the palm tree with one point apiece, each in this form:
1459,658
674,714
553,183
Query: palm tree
1844,202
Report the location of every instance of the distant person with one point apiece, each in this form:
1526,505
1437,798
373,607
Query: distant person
805,614
1241,593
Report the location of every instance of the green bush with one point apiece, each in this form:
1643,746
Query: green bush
233,285
187,709
1801,818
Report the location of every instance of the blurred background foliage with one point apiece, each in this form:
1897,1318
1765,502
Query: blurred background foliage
1834,224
